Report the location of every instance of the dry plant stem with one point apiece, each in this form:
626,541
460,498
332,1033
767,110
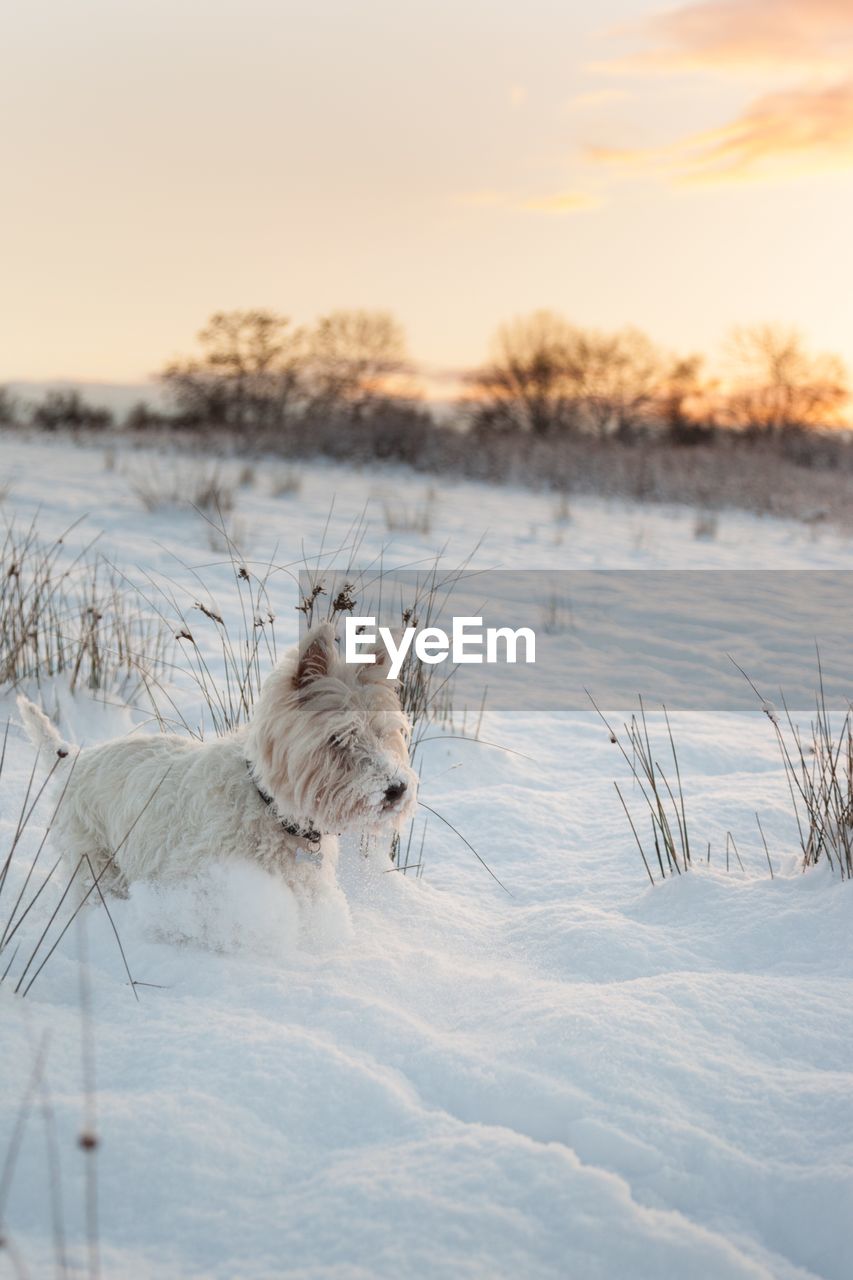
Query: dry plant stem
57,1216
672,856
83,900
88,1140
11,961
680,790
23,820
64,618
636,837
130,977
481,742
764,842
17,1137
243,658
819,774
730,844
467,843
10,928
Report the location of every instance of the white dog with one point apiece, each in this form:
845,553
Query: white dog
324,752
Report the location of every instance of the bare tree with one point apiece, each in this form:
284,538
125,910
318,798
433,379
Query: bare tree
249,376
355,360
531,381
547,377
686,401
777,385
619,377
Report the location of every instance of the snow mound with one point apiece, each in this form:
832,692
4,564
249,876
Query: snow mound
228,907
234,907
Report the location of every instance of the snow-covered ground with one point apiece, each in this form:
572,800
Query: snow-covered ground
592,1077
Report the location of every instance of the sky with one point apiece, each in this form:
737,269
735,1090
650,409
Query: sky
459,163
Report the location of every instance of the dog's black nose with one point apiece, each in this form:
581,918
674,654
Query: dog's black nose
394,792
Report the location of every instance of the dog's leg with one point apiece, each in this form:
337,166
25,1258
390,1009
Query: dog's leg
100,865
88,861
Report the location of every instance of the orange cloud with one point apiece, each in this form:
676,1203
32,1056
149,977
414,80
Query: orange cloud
561,203
568,202
741,34
806,129
791,131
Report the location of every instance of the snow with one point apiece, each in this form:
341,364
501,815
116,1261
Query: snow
592,1077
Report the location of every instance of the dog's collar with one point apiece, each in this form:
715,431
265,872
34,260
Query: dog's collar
309,834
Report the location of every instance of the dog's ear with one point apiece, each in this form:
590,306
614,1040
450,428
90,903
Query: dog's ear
316,654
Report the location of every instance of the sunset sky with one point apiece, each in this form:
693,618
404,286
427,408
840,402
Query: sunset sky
456,162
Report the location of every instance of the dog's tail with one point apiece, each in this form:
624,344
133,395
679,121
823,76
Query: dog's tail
41,731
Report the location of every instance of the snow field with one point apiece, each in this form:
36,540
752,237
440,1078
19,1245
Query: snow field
592,1077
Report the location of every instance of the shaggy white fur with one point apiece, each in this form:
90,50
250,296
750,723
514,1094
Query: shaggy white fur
324,752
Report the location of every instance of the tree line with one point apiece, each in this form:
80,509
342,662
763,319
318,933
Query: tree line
348,381
548,377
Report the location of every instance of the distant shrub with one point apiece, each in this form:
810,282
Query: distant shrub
285,484
404,519
69,411
706,525
186,487
9,409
